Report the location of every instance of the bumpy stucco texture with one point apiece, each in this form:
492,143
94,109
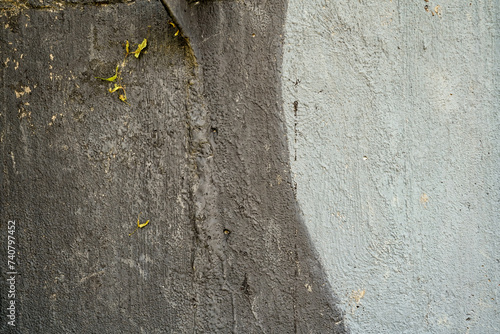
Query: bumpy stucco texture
393,126
200,149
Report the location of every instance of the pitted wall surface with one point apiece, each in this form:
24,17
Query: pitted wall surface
200,149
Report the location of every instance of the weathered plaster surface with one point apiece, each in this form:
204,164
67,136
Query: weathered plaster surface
201,150
393,128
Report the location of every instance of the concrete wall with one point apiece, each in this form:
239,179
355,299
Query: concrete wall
200,150
392,123
392,110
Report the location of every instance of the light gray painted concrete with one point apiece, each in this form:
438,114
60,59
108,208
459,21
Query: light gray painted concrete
394,146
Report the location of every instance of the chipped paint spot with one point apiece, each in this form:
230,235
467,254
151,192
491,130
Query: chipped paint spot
424,199
437,10
53,119
356,296
24,90
23,113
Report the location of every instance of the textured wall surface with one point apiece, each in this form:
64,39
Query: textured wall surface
393,123
79,165
392,119
201,150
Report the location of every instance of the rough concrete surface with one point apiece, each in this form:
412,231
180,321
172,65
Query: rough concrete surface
392,113
200,150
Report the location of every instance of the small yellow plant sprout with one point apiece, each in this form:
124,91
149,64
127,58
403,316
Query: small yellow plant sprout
139,225
117,77
173,25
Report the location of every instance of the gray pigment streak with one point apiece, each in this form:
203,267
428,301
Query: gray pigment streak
394,147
